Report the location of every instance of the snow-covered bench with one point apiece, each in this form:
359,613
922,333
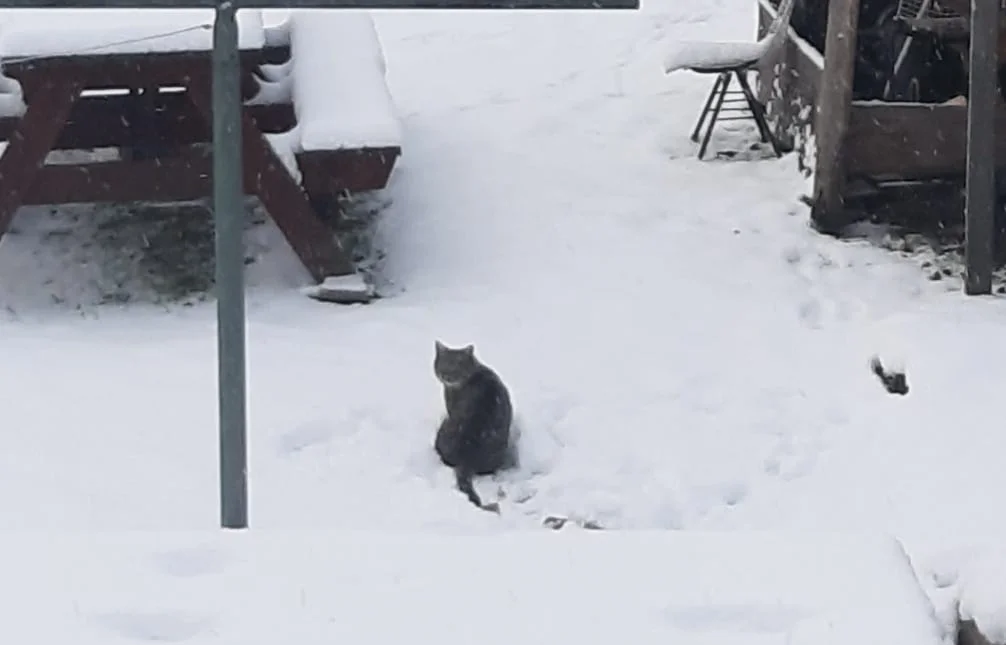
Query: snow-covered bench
348,135
346,104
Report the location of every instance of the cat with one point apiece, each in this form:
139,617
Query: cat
474,437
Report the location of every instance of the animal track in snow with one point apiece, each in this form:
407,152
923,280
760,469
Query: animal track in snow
165,627
191,562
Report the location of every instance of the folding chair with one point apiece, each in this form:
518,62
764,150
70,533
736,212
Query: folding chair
729,61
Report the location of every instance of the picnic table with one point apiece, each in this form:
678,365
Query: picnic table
140,82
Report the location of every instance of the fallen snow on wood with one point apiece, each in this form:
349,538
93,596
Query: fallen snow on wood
714,55
537,587
285,145
276,72
340,93
277,27
273,92
12,105
341,288
66,32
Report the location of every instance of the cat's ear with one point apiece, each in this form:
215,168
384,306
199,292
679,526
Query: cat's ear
469,350
439,347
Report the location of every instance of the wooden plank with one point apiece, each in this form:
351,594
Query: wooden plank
285,201
353,170
980,189
189,177
163,180
104,121
31,141
893,141
788,83
130,70
833,107
949,28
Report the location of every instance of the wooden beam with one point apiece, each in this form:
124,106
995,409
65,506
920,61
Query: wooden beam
104,121
949,28
335,171
176,179
833,106
31,141
285,201
980,191
189,177
129,70
890,141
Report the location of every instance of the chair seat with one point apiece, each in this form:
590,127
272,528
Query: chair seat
710,57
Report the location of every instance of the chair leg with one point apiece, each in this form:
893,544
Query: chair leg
706,107
758,113
724,86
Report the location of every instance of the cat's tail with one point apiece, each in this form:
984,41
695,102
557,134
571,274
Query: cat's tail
463,476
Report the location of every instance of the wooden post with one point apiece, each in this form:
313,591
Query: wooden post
834,101
983,100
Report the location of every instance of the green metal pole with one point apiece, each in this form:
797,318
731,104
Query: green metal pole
228,212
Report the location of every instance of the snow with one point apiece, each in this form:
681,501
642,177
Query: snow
346,103
724,55
345,286
11,97
277,27
268,587
286,145
982,583
684,353
714,55
45,32
273,92
805,47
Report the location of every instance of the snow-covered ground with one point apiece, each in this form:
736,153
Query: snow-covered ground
323,587
683,351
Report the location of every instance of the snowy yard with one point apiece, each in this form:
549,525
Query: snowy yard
324,587
683,351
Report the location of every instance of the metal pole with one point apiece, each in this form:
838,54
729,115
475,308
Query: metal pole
981,153
228,212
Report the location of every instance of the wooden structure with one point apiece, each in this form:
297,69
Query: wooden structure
155,107
857,148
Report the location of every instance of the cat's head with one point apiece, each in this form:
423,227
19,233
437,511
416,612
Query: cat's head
453,366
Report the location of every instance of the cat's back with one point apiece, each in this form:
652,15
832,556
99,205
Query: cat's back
483,393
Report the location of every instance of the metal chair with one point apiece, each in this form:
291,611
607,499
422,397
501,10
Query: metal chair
729,61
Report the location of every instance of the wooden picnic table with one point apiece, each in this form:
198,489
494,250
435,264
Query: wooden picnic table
141,81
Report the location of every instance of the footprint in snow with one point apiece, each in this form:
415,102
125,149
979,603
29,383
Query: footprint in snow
167,627
191,561
303,437
792,458
740,618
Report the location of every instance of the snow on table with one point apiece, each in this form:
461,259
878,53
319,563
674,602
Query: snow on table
58,32
340,94
529,587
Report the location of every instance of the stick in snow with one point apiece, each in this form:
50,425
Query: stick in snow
894,382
